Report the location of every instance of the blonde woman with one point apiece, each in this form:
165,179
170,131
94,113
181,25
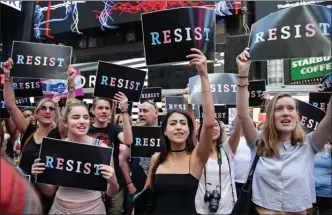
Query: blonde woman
283,180
71,200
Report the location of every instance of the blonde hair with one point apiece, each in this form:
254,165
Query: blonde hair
56,112
70,105
269,142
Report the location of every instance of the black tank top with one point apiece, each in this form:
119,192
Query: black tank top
174,194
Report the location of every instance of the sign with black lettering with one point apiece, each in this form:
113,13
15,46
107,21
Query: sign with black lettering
223,88
221,113
38,60
3,110
319,100
256,89
170,34
297,32
177,102
152,93
113,78
129,108
146,141
310,116
75,165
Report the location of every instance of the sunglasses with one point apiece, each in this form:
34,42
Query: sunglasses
44,108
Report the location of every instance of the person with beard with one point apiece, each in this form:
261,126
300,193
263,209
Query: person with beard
147,116
32,135
112,135
283,181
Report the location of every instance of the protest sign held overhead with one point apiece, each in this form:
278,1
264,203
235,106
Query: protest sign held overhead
297,32
151,93
112,79
170,34
326,84
23,102
310,116
75,165
256,89
223,88
146,141
221,113
177,102
59,87
320,99
3,109
37,60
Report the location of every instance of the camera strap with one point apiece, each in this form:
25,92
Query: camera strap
219,164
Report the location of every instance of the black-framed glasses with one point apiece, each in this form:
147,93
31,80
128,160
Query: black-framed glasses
44,108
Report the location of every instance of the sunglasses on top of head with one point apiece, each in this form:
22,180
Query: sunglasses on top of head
44,108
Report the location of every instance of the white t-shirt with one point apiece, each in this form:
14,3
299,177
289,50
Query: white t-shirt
242,161
226,202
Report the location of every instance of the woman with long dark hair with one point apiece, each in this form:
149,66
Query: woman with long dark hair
283,180
175,171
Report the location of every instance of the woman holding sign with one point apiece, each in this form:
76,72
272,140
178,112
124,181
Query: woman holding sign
283,179
71,200
46,114
175,172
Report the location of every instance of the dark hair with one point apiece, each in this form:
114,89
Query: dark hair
2,134
165,143
219,139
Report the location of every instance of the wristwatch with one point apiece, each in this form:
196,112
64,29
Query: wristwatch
71,88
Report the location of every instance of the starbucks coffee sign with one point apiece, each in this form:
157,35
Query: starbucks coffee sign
306,68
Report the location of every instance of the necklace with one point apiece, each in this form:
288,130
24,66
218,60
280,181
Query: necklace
180,150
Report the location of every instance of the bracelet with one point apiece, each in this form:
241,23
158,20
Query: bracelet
8,80
129,183
242,76
242,85
122,112
71,89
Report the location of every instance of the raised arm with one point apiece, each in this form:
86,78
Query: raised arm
202,151
234,138
71,73
126,137
242,101
323,132
9,97
154,160
190,111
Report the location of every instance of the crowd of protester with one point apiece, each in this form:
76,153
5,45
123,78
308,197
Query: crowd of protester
199,169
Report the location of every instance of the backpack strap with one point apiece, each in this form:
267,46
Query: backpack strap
25,142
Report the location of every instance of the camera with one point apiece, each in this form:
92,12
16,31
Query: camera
213,198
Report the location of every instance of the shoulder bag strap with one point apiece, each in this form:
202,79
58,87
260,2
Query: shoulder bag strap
25,142
247,185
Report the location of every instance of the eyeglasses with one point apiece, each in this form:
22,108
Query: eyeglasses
44,108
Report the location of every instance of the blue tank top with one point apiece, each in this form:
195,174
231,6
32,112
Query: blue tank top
322,174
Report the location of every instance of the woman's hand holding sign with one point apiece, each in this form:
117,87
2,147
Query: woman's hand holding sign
107,172
243,63
6,67
37,168
199,60
123,101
